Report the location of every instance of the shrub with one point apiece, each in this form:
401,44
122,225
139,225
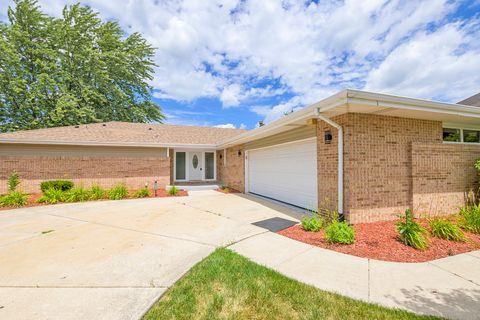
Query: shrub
118,192
76,195
340,232
225,189
442,228
52,196
142,193
411,233
96,193
62,185
312,224
14,199
470,218
13,181
173,191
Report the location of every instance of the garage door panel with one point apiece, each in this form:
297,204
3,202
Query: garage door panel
287,173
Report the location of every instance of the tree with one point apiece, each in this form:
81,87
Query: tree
71,70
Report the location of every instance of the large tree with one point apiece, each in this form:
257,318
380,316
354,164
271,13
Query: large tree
71,70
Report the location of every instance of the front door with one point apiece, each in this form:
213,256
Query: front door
195,166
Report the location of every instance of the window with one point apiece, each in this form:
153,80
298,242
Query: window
451,135
180,166
461,135
471,136
209,165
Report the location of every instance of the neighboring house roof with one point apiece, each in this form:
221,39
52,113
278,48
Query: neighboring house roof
124,133
471,101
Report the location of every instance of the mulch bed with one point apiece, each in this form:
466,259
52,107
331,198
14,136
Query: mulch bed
33,197
380,241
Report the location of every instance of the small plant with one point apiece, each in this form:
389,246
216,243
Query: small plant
411,233
173,191
13,181
62,185
96,193
14,199
477,165
118,192
52,196
76,195
142,193
340,232
470,218
225,189
442,228
313,224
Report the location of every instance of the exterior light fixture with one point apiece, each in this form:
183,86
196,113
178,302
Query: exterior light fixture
328,137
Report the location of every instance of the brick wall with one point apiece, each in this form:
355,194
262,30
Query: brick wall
85,171
233,174
443,175
327,164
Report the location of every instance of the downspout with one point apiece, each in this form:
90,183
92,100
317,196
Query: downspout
340,158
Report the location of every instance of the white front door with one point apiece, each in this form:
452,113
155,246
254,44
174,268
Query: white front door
195,165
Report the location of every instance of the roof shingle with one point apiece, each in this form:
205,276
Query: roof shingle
471,101
126,132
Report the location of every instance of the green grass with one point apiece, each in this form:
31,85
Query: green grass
226,285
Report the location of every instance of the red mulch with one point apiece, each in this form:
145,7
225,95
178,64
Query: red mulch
379,240
33,197
230,190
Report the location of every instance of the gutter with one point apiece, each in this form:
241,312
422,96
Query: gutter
340,158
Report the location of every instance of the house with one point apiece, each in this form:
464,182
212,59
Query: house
368,155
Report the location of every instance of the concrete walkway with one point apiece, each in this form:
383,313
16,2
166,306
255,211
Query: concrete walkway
448,287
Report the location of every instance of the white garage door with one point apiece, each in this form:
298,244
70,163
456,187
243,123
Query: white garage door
287,173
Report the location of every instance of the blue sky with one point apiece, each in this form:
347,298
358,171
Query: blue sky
233,63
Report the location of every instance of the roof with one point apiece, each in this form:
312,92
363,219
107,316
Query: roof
124,134
357,101
471,101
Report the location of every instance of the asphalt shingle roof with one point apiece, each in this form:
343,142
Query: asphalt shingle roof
472,101
126,132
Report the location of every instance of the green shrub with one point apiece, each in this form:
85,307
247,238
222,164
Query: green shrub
62,185
142,193
442,228
340,232
13,181
312,224
173,191
470,218
97,192
52,196
411,233
76,195
14,199
225,189
118,192
477,165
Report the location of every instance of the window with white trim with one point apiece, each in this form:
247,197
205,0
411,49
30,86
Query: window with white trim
461,135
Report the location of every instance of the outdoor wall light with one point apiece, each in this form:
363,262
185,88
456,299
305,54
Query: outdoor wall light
220,156
328,137
239,153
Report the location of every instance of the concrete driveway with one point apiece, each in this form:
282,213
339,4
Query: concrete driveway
113,259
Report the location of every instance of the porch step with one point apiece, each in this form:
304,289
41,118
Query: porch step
195,187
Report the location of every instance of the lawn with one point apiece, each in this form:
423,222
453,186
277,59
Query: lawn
226,285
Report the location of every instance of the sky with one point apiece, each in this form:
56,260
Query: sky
233,63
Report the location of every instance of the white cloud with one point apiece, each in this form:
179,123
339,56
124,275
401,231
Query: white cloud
205,50
225,126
